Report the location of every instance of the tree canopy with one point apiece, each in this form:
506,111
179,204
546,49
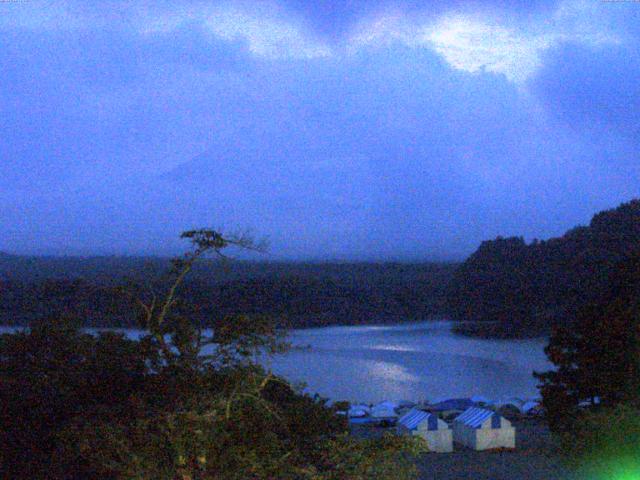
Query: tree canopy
597,358
526,289
81,406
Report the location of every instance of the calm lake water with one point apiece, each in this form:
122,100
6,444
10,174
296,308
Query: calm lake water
415,361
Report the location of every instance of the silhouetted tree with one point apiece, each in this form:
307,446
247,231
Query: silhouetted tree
597,359
50,374
165,408
531,288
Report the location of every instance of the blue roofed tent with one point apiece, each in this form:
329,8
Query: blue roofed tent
482,429
474,417
451,405
434,431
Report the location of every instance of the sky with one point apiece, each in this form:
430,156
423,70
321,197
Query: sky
335,129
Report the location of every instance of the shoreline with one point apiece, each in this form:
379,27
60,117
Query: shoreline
481,330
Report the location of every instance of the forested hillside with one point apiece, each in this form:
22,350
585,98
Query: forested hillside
298,294
528,288
509,287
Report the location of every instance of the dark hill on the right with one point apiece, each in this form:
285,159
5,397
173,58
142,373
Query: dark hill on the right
508,288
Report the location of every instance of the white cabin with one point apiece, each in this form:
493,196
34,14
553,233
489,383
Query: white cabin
482,429
434,431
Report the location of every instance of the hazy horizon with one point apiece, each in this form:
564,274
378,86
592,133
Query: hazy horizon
385,130
243,257
268,257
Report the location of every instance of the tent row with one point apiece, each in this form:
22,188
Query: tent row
511,405
475,428
447,409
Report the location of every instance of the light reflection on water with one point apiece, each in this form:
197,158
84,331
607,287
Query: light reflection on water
415,361
390,372
394,348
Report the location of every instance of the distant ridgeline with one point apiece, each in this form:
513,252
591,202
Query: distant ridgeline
523,290
300,294
506,288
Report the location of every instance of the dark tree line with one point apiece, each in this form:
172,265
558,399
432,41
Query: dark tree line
298,295
592,396
529,288
597,357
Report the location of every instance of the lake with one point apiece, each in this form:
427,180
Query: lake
414,361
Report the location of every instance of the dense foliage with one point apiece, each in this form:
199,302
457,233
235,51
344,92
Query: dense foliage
173,405
605,443
52,374
526,289
597,358
297,294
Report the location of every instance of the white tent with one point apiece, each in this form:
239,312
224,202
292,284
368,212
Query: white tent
436,433
384,410
357,411
482,429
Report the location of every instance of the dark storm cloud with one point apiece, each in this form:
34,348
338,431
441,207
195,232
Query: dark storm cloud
338,129
594,89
